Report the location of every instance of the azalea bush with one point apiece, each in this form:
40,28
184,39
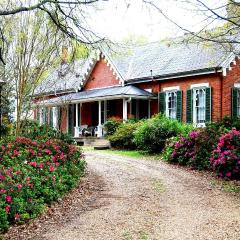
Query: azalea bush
33,174
195,149
225,159
153,133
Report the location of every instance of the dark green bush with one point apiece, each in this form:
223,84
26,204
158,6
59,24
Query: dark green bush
123,136
3,130
32,129
153,133
111,126
227,123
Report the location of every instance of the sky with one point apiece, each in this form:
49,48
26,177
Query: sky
120,19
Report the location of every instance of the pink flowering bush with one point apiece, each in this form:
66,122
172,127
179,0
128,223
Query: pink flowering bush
193,150
33,174
225,159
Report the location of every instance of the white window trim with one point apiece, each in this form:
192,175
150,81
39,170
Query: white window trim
148,90
194,117
167,90
237,85
176,88
198,85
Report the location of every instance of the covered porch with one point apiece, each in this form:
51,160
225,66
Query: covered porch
87,111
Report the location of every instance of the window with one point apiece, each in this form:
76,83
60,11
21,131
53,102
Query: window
199,106
238,102
171,104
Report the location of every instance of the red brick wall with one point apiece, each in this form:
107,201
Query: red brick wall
214,81
233,76
101,76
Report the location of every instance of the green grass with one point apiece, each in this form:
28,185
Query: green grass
128,153
226,186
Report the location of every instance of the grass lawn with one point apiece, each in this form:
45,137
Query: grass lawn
127,153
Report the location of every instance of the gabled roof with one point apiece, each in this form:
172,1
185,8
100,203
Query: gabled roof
133,64
104,93
156,59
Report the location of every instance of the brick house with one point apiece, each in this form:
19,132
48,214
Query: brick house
191,83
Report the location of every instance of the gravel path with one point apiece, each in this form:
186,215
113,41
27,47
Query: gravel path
131,199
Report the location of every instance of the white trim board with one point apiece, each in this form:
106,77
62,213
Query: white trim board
199,85
171,88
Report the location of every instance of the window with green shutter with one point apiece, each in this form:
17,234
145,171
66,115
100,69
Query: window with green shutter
208,108
189,106
51,117
179,106
162,102
235,102
201,105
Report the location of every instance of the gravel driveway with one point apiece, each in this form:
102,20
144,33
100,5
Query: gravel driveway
131,198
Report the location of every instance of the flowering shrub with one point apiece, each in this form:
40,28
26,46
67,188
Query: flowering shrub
225,157
33,174
195,149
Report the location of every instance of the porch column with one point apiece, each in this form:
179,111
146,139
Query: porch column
105,111
80,115
99,119
124,109
76,129
149,108
55,124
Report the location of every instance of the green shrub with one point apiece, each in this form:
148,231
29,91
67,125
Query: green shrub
153,133
32,129
111,126
227,123
123,136
35,173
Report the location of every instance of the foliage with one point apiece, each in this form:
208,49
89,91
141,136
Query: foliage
153,133
195,149
227,123
3,130
33,174
33,130
123,136
111,125
225,157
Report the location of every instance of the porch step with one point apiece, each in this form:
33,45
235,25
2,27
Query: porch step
92,141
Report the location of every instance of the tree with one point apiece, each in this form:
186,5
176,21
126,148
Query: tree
68,17
30,54
221,21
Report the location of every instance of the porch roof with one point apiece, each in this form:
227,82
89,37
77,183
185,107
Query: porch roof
100,94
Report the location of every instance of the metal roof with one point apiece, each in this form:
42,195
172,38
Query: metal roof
139,62
97,94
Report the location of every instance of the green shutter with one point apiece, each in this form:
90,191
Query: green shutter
208,104
46,115
162,102
189,106
38,114
234,102
51,117
179,106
